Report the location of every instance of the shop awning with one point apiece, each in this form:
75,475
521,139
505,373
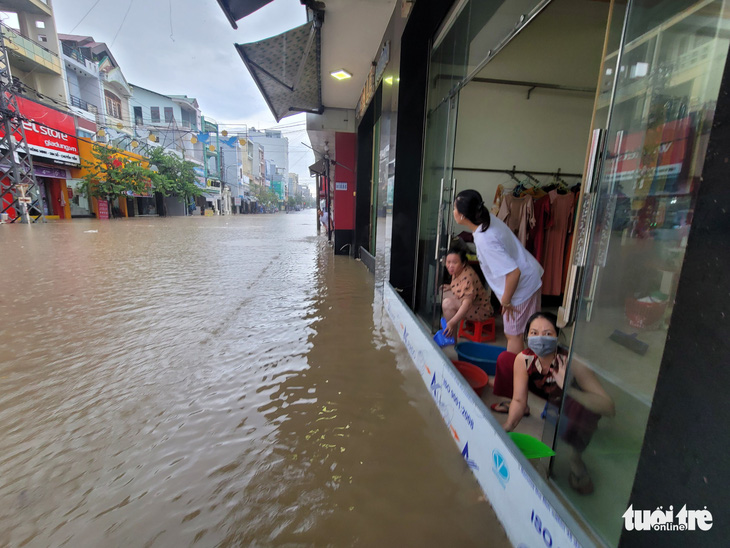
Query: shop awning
286,69
317,168
236,10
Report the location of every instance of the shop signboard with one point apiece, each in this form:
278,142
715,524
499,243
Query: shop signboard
522,505
50,133
103,209
652,157
52,172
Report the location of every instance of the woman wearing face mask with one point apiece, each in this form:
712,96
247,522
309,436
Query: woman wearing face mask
465,298
540,368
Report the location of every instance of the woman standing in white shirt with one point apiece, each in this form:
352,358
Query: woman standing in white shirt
511,271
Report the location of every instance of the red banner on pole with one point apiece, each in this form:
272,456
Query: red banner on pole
103,209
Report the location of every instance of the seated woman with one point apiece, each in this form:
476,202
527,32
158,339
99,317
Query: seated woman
465,298
541,369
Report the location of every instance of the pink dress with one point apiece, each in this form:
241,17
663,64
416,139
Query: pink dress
517,214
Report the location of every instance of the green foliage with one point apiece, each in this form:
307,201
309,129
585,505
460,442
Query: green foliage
174,176
112,174
292,201
265,196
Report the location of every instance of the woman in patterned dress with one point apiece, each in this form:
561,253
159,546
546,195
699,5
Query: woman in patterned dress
465,298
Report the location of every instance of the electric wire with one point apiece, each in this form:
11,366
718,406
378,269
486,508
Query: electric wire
122,23
85,15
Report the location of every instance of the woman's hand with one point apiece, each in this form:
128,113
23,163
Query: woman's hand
507,310
451,326
559,371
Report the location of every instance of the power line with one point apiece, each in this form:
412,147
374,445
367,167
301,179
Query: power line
122,23
84,17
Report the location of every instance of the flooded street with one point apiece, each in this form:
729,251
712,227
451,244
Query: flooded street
217,381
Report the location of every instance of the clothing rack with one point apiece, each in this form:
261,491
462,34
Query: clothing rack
530,174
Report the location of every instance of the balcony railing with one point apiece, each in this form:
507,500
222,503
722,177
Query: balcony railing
30,49
187,124
85,105
74,54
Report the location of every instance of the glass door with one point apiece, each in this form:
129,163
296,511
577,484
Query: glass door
447,69
374,188
667,72
436,206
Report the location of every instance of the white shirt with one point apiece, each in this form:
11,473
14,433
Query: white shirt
500,252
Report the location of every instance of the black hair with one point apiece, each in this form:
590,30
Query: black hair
549,316
470,204
458,250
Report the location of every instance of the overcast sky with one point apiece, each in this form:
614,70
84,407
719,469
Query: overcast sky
186,47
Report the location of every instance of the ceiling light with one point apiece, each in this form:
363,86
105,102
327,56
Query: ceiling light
388,80
341,74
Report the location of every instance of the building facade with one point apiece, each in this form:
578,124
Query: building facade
29,32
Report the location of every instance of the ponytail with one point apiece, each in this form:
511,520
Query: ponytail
470,204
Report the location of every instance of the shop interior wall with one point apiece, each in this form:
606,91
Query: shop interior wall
499,127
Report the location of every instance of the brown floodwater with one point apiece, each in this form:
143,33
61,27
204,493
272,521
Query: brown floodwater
217,381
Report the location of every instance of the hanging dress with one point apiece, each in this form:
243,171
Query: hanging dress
517,214
561,216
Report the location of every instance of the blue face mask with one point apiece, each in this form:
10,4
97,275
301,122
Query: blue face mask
542,345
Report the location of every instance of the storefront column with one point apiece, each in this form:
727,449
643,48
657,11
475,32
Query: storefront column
66,200
343,207
122,206
426,17
684,456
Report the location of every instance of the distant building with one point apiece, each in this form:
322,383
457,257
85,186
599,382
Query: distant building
276,146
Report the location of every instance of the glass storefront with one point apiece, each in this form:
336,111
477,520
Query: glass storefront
657,86
80,206
668,79
472,33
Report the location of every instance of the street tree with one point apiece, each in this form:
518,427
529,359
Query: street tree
173,176
112,174
266,196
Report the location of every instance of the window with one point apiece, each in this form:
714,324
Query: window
168,115
42,38
138,120
40,25
113,105
155,114
10,19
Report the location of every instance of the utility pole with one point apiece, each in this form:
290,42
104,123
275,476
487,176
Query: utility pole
19,190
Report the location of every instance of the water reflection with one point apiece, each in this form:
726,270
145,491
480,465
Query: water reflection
213,381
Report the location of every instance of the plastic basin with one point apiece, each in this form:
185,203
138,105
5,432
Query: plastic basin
476,378
482,355
531,447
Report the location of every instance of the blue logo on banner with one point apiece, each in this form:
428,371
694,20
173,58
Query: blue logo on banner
499,467
465,453
435,387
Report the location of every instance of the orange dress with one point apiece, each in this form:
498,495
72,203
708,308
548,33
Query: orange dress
468,284
560,225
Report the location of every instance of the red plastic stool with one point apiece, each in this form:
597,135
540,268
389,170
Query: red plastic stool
478,331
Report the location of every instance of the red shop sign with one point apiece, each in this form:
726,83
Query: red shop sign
50,132
103,209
